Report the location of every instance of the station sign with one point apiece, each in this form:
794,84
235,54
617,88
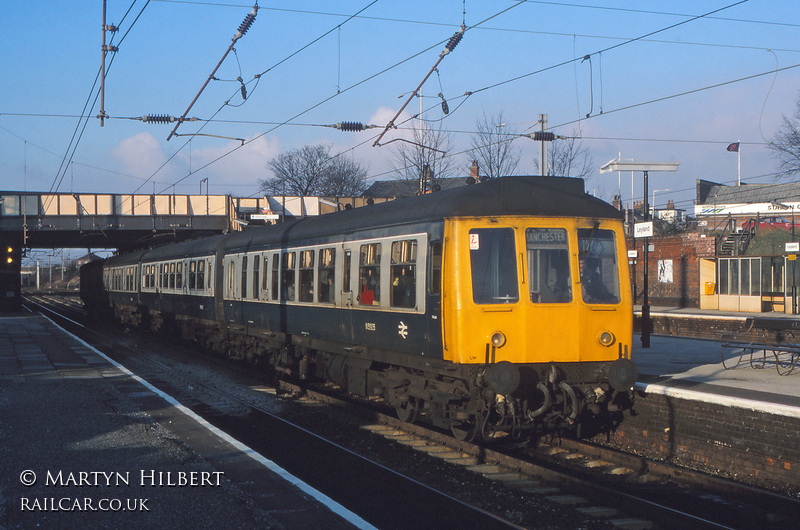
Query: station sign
792,247
633,254
643,229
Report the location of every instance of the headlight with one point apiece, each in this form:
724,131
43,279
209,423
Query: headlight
606,338
498,340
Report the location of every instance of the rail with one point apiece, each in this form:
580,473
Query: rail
766,341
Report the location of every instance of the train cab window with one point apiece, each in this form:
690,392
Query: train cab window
244,277
306,276
201,274
403,274
369,274
288,276
327,289
275,276
256,283
548,265
492,255
435,270
597,260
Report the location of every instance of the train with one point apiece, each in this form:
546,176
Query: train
497,309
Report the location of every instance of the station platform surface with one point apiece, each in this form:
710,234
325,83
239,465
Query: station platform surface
692,368
85,444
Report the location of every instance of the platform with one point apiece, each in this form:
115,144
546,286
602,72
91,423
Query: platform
692,367
85,444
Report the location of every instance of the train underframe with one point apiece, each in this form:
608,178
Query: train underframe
488,402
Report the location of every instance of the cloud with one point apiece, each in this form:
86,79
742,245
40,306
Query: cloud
140,155
231,164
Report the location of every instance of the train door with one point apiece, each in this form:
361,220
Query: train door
348,270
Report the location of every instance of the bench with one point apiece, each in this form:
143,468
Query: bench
766,340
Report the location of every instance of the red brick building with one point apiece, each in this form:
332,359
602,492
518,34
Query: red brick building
673,268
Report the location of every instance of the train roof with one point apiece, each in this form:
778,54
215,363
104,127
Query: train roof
528,195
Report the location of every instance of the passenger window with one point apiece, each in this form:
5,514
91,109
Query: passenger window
548,265
256,283
201,276
265,277
327,290
288,276
369,274
346,274
179,275
597,260
435,273
494,266
275,275
244,277
192,275
210,276
307,276
403,274
171,275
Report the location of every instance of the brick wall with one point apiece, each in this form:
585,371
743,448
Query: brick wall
682,252
732,440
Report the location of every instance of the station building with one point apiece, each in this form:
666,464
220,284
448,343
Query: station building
738,254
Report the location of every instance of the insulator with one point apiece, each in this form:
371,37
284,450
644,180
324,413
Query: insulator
544,136
445,107
350,126
248,21
244,92
454,40
109,48
158,118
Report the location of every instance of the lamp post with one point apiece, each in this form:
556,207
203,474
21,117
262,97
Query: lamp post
645,167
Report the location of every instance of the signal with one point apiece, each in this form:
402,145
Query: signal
10,274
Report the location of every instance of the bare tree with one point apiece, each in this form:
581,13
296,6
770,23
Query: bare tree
568,157
345,178
424,152
311,170
492,147
785,146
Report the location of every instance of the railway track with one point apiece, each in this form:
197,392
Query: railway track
603,486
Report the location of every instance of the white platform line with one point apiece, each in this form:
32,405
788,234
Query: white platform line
728,401
323,499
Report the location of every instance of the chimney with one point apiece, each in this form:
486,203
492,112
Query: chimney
474,171
617,203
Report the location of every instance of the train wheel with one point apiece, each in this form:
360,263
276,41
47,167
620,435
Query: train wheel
408,411
465,432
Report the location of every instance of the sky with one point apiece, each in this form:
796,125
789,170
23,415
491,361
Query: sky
666,82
